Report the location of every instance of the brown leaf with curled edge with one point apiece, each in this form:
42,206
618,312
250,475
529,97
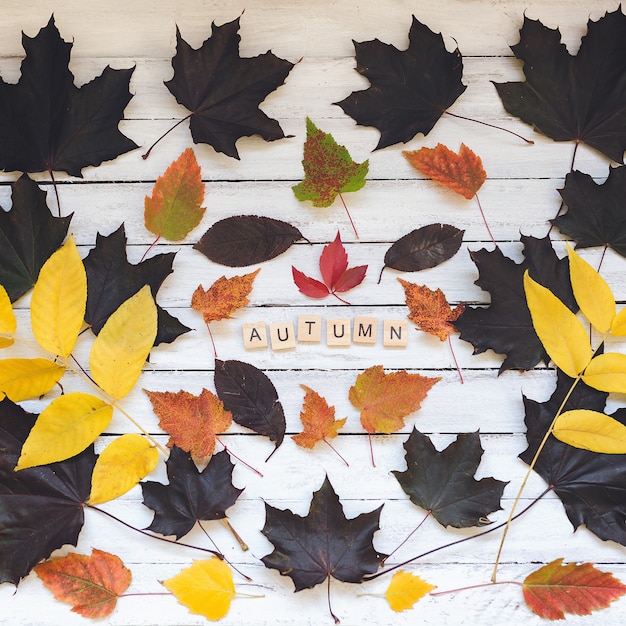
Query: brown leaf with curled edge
318,420
92,584
191,421
223,297
429,310
556,589
462,172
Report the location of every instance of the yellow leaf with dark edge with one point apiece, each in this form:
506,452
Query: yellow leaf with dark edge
92,584
8,323
120,466
206,588
594,296
405,589
65,428
23,379
607,372
561,333
57,306
591,430
318,420
120,350
174,208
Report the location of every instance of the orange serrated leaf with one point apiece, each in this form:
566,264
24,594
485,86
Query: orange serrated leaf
462,172
174,208
318,420
556,589
224,296
429,310
191,421
92,584
386,399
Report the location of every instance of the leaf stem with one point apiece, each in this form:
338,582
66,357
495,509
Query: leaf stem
167,132
369,438
456,363
480,208
428,514
356,234
470,587
154,243
330,445
256,471
506,130
204,530
212,340
340,299
330,608
242,544
56,191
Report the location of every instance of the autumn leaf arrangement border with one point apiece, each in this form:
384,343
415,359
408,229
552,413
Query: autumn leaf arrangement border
50,458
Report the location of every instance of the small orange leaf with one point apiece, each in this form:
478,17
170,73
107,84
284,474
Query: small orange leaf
386,399
318,420
224,296
429,310
191,421
92,584
462,172
556,589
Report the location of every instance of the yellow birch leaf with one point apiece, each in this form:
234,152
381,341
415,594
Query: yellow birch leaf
405,589
57,306
8,323
618,327
591,430
120,466
22,379
205,588
64,429
562,334
122,346
592,293
607,372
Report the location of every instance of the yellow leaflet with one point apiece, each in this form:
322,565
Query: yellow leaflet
122,347
65,428
562,334
618,327
591,430
22,379
607,372
405,589
120,466
8,323
205,588
57,307
592,293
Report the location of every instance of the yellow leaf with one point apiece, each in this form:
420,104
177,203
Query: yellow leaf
591,430
120,466
607,372
562,334
592,293
8,323
57,306
122,347
618,327
205,588
65,428
22,379
405,589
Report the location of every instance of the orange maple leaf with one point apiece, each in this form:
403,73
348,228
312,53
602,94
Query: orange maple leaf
386,399
191,421
318,420
556,589
429,310
462,172
92,584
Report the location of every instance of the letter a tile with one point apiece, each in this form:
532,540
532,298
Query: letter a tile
254,336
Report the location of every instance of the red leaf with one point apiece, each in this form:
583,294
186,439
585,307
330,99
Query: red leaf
333,262
350,278
309,286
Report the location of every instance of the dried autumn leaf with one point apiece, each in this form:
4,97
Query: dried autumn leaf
318,420
405,589
8,323
191,421
205,588
463,173
429,310
174,208
92,584
386,399
556,589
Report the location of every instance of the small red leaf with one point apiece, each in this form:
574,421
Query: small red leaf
309,286
351,278
333,262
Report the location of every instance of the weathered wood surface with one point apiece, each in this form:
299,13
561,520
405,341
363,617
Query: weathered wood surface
520,196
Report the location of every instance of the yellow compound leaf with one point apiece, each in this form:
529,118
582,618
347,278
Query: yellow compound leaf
405,589
607,372
591,430
120,466
618,327
122,347
64,429
8,323
205,588
562,334
22,379
57,306
592,293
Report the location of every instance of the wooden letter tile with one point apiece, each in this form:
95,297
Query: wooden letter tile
254,336
283,336
338,332
365,330
309,328
395,333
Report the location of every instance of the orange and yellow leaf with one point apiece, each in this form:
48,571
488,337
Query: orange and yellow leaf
318,420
